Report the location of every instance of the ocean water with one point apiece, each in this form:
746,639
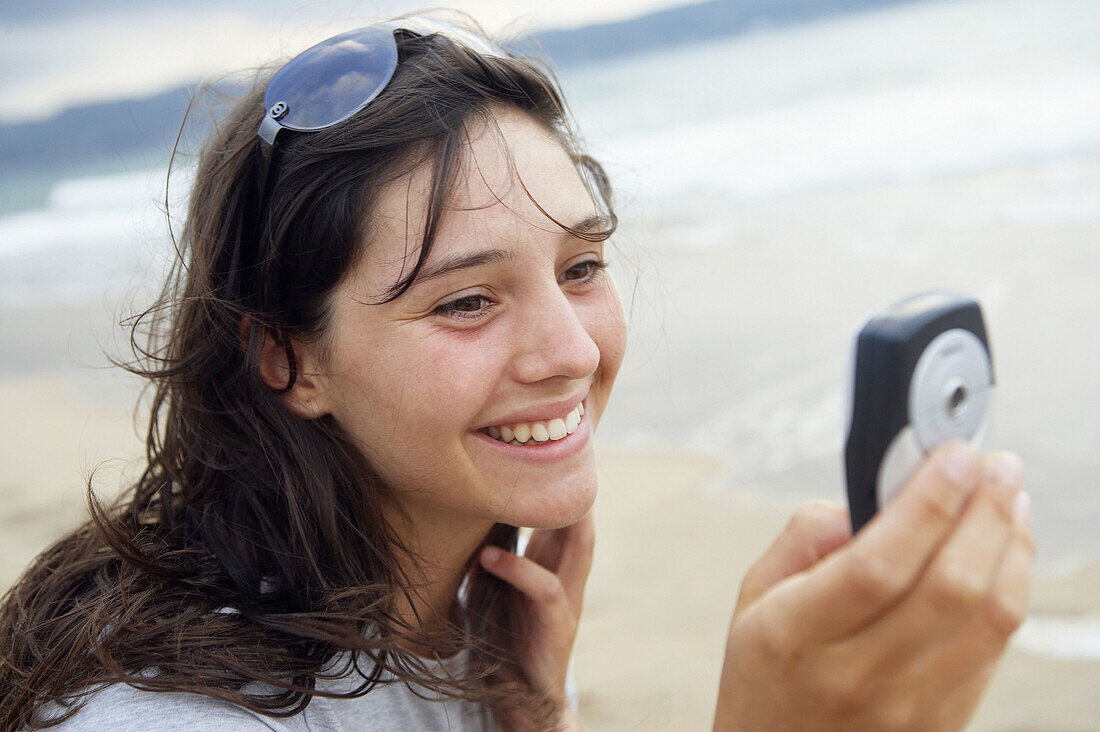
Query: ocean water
911,93
95,237
774,188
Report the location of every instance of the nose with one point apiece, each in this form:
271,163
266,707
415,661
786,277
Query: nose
553,340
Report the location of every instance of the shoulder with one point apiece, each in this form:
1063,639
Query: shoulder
125,709
386,708
394,706
122,708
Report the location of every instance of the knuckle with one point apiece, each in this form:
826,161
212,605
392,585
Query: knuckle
813,514
1002,500
1026,539
845,691
550,591
953,589
799,520
777,641
939,503
874,579
1003,616
901,715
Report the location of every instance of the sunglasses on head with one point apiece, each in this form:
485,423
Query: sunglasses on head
329,82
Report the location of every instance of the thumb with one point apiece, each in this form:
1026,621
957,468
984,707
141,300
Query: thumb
815,530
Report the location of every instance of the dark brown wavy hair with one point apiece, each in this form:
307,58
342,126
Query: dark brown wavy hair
253,547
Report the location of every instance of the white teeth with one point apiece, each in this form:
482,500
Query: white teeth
539,433
554,429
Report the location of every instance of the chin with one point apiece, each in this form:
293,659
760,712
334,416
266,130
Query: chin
553,507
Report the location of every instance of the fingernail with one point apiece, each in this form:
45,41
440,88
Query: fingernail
958,461
490,555
1007,468
1022,507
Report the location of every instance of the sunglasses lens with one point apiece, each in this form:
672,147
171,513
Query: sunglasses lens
334,79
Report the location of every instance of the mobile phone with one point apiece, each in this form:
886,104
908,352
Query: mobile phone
922,375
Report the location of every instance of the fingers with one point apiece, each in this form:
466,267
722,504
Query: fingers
856,584
548,619
558,557
984,636
538,583
544,547
961,576
963,665
816,530
575,563
936,584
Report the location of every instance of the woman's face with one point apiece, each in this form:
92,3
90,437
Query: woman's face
512,327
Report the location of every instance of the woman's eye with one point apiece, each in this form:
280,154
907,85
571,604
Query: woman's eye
468,306
583,271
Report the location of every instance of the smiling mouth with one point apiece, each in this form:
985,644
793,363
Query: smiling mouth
534,433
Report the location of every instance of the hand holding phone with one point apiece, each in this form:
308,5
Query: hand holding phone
922,375
902,625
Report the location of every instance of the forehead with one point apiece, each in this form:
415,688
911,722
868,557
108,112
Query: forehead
510,178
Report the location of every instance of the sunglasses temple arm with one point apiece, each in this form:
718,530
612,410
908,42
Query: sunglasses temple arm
269,130
249,224
267,155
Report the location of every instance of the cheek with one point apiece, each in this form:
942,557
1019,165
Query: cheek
456,373
412,394
606,324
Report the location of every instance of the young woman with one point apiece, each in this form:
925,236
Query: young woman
388,344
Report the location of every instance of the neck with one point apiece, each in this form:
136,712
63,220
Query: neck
438,556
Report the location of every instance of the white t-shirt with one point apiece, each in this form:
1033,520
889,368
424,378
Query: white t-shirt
394,707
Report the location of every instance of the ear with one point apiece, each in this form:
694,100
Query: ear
291,370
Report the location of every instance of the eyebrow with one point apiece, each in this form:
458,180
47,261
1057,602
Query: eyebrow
594,222
457,262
